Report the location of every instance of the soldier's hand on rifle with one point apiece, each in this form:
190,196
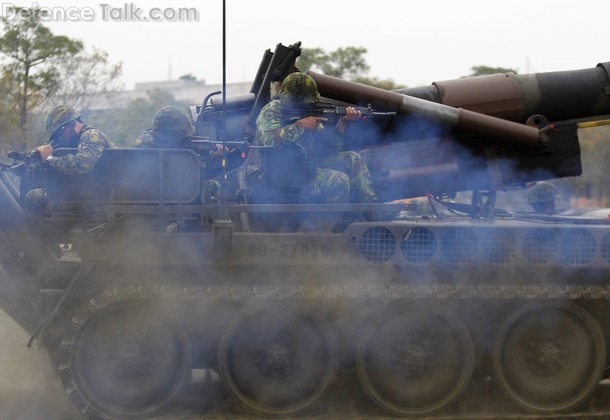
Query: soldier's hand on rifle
351,114
45,151
310,123
218,152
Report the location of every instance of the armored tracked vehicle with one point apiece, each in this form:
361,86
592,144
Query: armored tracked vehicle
265,303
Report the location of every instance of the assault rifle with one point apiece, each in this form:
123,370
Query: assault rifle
205,148
21,161
329,111
29,158
205,144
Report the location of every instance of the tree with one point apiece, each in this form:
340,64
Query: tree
483,70
84,78
30,49
387,84
10,134
345,63
311,59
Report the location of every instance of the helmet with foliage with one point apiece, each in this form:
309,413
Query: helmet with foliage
298,89
58,117
172,124
542,192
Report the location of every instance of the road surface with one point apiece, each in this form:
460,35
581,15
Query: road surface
29,389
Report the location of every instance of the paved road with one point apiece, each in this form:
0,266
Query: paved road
29,389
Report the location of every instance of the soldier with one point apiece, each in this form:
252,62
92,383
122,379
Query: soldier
541,196
66,130
172,128
341,176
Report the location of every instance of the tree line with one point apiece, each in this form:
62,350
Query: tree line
39,70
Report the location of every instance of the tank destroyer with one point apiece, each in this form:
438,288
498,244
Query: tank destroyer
151,303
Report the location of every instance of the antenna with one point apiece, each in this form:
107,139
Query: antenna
224,87
223,224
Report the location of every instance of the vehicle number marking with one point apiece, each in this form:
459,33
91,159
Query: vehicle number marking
285,250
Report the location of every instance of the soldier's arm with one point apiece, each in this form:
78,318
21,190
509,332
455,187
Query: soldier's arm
145,140
271,130
89,151
333,137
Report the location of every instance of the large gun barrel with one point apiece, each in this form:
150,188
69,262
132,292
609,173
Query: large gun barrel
560,95
497,130
462,120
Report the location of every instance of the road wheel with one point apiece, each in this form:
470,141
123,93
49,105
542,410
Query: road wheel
415,361
127,360
278,360
549,358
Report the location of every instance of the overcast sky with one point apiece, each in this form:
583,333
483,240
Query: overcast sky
413,42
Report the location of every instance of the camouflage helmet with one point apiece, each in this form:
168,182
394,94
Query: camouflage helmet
172,124
297,89
542,192
58,117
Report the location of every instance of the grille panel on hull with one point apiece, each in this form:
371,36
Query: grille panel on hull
605,248
418,245
499,246
421,245
377,245
459,246
577,246
540,246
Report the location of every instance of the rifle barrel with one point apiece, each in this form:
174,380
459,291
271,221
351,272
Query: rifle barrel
322,109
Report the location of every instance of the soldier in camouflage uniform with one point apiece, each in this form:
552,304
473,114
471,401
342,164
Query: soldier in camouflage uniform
66,130
340,175
541,196
172,128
